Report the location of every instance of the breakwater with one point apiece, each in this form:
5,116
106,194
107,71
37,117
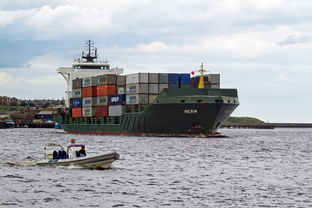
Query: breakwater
247,126
291,125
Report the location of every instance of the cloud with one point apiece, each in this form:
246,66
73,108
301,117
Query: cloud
9,17
63,20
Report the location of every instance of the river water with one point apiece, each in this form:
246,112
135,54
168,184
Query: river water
250,168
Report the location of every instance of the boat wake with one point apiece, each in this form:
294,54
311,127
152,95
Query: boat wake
18,163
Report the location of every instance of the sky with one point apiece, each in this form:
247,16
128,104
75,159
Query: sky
261,47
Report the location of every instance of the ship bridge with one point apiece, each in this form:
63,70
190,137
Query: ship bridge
86,66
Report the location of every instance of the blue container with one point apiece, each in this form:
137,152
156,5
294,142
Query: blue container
173,78
173,85
68,111
76,102
185,78
196,79
116,99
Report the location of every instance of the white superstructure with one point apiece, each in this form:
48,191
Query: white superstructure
87,68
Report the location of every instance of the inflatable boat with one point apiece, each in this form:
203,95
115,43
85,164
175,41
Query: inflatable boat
73,158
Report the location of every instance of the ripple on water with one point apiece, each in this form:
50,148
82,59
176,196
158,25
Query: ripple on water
250,168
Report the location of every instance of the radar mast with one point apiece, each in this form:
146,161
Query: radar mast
91,52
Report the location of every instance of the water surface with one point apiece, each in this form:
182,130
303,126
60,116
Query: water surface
250,168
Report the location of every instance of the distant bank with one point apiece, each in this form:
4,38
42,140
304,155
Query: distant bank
254,123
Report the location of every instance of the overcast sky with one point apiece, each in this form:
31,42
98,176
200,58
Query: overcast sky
261,47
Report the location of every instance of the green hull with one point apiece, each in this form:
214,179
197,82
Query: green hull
176,112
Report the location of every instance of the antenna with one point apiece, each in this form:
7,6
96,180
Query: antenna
91,52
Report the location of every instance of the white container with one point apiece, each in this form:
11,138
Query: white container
163,78
161,87
89,101
101,101
88,111
153,78
215,86
152,97
137,78
153,88
89,81
214,78
137,99
121,80
115,110
76,93
136,89
120,90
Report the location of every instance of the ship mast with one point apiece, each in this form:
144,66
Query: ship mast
201,84
92,52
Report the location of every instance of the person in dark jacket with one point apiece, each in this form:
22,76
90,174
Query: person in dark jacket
82,151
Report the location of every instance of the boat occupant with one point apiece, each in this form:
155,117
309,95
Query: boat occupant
82,151
55,155
62,154
73,141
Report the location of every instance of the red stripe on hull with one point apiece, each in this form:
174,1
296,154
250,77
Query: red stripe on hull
147,134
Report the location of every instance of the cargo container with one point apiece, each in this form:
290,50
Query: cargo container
75,102
101,101
116,99
89,91
136,89
76,84
108,79
101,111
185,86
89,81
106,90
89,101
88,111
153,78
153,88
76,93
68,111
215,85
214,78
173,79
76,112
173,85
163,78
121,80
152,97
184,78
161,87
115,110
137,78
137,99
121,90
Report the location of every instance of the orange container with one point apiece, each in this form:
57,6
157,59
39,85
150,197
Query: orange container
76,112
103,90
101,111
88,92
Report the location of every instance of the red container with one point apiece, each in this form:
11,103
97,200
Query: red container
101,111
88,92
106,90
76,112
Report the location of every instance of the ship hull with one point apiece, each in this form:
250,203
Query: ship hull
186,120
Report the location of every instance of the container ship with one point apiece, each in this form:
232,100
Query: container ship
102,100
